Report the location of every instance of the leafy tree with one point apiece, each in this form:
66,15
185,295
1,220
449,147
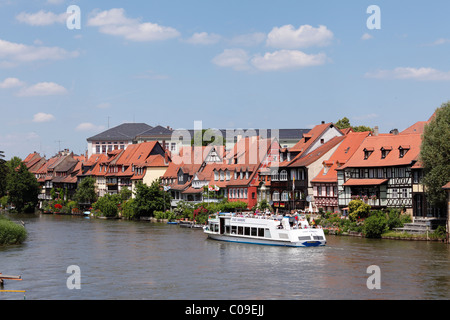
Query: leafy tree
85,193
358,208
22,186
375,225
3,174
344,123
210,133
108,205
435,155
150,199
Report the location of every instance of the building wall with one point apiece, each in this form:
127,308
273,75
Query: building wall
152,174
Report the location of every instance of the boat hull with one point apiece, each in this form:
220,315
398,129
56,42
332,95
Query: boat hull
267,242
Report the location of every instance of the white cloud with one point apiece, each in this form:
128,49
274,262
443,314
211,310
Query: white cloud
43,117
41,18
287,37
12,53
104,105
233,58
287,59
87,126
42,89
366,36
420,74
11,83
114,22
204,38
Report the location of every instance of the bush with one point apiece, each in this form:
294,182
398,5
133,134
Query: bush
394,220
10,232
108,205
128,209
375,225
358,209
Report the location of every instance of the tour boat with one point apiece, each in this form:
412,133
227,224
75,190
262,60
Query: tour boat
264,229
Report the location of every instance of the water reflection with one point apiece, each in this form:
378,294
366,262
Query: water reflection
139,260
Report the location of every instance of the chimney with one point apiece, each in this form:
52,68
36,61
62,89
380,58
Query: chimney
375,131
323,122
394,132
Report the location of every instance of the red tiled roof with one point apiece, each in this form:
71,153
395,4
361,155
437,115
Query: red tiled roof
316,154
447,186
364,182
345,150
410,141
310,137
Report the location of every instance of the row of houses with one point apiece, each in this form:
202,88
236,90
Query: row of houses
325,168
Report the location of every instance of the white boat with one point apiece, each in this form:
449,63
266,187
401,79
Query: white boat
266,230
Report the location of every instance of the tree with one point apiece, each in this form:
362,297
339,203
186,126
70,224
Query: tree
3,174
358,209
344,123
22,186
375,225
150,199
435,155
211,135
85,193
108,205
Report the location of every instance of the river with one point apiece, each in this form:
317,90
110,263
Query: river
141,260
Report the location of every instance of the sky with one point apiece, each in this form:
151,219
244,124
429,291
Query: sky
256,64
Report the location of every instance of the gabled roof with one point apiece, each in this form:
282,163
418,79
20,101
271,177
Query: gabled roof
316,154
411,142
125,131
303,146
156,131
345,150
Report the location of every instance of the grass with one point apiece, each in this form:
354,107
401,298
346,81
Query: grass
10,232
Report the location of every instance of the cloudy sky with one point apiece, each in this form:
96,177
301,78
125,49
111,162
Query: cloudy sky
230,64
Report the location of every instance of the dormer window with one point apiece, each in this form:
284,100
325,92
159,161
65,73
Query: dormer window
367,153
403,150
216,175
385,151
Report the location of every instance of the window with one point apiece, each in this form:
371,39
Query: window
241,175
275,176
319,191
216,175
235,175
230,193
173,146
285,196
283,175
405,193
328,191
367,153
97,149
394,193
245,194
246,174
403,150
276,196
222,175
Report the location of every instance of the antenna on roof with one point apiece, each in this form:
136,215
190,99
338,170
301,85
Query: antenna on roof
59,144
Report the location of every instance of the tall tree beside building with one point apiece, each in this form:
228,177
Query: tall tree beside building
22,186
85,193
150,199
435,154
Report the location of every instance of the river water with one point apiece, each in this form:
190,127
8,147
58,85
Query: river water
141,260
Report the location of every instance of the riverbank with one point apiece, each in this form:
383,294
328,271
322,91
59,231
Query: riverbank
10,232
391,235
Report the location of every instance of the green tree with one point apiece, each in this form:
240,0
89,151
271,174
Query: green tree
108,205
435,155
150,199
375,225
3,174
344,123
358,209
85,193
209,138
22,186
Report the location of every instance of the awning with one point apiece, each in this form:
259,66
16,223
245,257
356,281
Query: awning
364,182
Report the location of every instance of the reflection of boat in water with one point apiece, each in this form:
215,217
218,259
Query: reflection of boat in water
190,224
266,230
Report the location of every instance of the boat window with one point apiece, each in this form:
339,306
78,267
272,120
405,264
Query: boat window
267,233
260,232
233,229
247,231
227,229
304,238
254,232
241,230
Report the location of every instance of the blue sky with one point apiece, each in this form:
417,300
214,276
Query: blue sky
230,64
